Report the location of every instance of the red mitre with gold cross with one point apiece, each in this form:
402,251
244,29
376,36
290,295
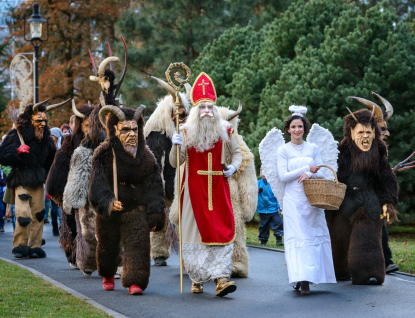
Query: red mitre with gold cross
203,90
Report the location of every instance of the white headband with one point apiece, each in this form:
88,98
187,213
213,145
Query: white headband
298,110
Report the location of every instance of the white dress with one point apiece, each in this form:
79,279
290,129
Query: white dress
306,236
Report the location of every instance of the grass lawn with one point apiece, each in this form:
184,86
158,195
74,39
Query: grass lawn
401,242
23,294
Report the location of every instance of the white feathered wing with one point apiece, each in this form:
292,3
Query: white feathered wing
268,154
325,142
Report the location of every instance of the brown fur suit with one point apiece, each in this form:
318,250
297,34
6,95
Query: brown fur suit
140,190
244,194
355,229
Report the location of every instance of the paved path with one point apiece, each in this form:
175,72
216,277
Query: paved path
265,293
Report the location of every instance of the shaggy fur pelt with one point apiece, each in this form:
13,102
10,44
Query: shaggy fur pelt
140,190
28,169
355,229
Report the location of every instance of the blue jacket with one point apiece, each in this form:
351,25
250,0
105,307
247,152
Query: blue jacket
267,202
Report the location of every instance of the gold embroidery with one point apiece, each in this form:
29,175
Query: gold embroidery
203,85
210,175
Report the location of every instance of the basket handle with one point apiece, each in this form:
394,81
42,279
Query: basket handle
328,167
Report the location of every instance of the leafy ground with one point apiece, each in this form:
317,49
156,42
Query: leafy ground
23,294
401,242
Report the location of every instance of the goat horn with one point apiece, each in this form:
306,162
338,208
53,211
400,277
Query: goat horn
101,69
140,111
372,106
93,63
110,54
54,106
388,106
102,99
354,117
124,71
230,117
35,106
110,109
89,104
76,111
167,87
188,90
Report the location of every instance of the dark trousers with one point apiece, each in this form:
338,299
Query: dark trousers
270,219
387,253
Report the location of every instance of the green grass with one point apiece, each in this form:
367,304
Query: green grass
401,242
23,294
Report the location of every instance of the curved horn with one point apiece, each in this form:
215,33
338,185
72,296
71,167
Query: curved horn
89,104
35,106
101,69
110,109
372,106
388,106
354,117
141,110
76,111
110,54
188,90
93,63
167,87
54,106
230,117
124,71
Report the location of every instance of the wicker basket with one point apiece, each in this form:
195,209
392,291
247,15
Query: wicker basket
325,194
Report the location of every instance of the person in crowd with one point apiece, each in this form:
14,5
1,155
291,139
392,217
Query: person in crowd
212,155
269,211
2,204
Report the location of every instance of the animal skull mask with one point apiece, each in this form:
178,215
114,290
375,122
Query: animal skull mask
363,136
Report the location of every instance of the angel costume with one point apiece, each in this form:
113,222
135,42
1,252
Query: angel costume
306,236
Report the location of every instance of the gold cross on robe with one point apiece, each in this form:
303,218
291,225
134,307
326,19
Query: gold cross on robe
210,174
203,85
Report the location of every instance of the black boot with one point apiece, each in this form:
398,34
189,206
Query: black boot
55,229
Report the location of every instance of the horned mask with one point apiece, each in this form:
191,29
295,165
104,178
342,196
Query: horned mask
362,135
39,119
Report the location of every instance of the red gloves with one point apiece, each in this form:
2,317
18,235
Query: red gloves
23,149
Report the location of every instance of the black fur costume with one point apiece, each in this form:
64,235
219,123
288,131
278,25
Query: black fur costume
355,229
56,182
140,190
29,170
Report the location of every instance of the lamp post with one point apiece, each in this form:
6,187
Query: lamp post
35,38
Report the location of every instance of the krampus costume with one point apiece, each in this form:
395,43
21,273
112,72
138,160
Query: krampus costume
244,193
29,150
58,176
356,228
126,192
158,132
75,196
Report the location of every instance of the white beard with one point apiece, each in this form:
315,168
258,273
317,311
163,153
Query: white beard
203,133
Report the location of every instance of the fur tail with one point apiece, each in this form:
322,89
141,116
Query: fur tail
82,248
65,237
170,235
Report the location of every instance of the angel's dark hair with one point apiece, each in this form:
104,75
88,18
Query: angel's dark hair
290,118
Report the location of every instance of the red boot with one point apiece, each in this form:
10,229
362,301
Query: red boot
108,283
135,290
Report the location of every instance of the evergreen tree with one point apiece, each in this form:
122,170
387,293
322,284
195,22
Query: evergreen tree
317,54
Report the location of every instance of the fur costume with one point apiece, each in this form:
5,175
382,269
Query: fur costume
140,190
158,132
244,195
75,196
27,176
355,229
57,179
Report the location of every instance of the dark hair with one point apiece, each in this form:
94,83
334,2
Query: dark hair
65,126
288,121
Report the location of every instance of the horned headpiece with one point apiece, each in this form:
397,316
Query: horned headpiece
117,111
48,108
382,117
102,76
173,92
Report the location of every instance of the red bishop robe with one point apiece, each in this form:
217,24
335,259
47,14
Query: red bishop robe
210,196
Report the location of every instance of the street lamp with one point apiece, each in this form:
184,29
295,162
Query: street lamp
36,23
